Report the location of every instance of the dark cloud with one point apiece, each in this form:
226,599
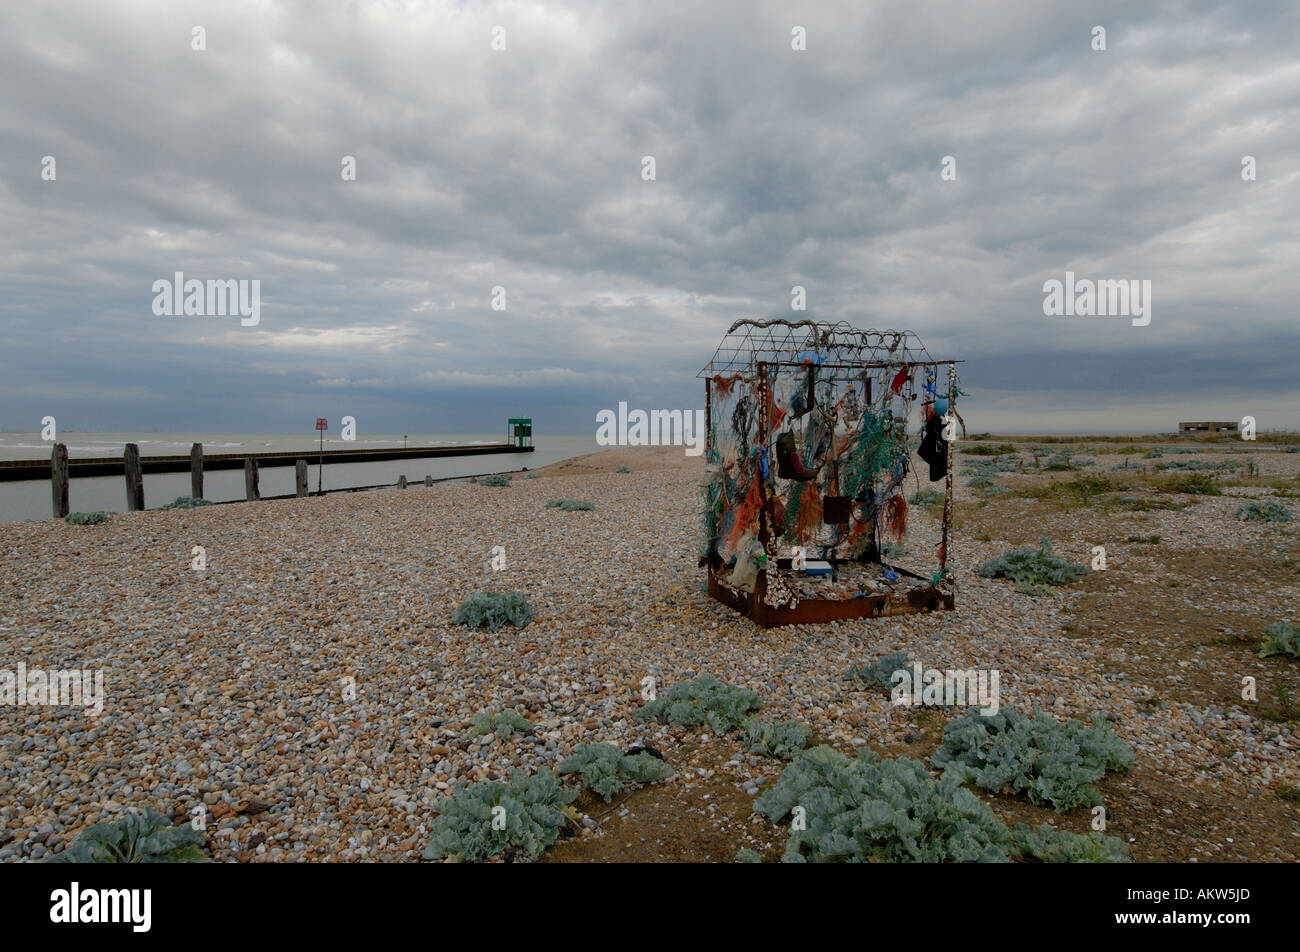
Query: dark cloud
522,169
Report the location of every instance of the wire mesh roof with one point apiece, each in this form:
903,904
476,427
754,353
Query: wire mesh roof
749,343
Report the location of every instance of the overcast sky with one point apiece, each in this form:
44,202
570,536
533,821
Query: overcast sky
523,168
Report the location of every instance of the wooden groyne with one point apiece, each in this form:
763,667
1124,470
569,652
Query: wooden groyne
19,469
132,466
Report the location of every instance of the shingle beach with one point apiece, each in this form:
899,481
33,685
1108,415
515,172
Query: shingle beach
229,686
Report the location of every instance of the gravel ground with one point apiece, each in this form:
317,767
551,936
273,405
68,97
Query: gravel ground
230,685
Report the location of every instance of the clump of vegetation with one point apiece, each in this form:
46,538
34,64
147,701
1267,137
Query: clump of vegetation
503,724
1033,569
989,467
533,476
606,770
136,838
746,855
622,469
705,700
570,505
1282,638
1267,511
496,479
1137,504
492,610
779,739
1193,484
1064,460
531,815
879,674
1001,449
1050,762
187,502
86,518
926,497
1155,453
872,810
1197,465
1144,540
1082,490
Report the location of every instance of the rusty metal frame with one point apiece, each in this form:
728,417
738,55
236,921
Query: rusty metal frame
765,353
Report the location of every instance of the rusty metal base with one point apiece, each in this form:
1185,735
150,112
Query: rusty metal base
815,610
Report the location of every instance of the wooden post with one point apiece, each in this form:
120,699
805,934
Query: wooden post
59,479
196,470
428,481
134,477
250,479
300,478
401,482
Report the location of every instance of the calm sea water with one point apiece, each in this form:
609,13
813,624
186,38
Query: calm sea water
30,499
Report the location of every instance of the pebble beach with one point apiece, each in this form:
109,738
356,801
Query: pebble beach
309,689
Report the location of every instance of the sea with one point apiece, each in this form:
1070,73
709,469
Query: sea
31,499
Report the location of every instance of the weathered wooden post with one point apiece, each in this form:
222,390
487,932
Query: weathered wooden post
59,479
134,477
196,470
428,482
300,478
250,479
401,482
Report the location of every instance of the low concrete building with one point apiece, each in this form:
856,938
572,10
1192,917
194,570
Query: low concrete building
1229,426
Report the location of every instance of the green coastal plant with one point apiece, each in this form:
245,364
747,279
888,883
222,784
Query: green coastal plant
1281,638
186,502
136,838
498,480
470,828
1050,762
570,505
746,855
492,610
867,809
503,724
622,469
86,518
533,476
606,770
1033,569
1193,484
926,497
704,700
880,673
1267,511
779,739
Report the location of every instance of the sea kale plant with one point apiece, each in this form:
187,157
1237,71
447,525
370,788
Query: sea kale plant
484,819
492,610
86,518
880,674
1267,511
779,739
1282,638
570,505
502,724
1050,762
1033,569
866,809
606,770
186,502
705,700
498,480
136,838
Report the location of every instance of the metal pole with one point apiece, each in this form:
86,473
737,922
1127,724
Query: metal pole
320,464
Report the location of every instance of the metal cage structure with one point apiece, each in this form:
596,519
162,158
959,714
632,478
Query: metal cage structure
811,432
